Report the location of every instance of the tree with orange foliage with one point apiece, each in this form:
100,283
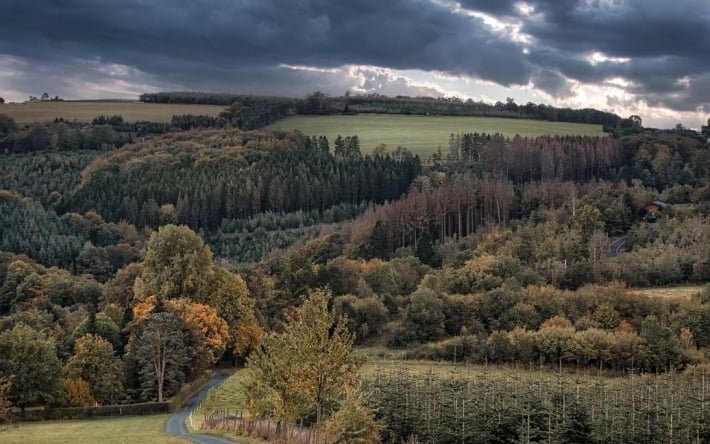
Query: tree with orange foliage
77,392
237,308
248,336
178,265
206,333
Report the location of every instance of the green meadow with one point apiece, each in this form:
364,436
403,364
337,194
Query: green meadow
424,134
131,429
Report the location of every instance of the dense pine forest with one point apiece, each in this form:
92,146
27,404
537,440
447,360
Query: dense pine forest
518,253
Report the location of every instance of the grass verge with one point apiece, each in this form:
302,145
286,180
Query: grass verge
133,429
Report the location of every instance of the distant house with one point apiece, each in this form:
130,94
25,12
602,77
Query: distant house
650,211
660,204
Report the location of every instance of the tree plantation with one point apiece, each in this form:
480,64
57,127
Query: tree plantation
137,257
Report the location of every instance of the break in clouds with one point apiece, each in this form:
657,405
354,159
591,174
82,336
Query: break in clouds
647,57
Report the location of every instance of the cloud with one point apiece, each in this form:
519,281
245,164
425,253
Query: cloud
655,49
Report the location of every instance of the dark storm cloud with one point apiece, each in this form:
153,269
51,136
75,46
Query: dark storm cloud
663,41
163,38
630,28
238,45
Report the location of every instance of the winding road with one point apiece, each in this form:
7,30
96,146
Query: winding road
616,246
176,423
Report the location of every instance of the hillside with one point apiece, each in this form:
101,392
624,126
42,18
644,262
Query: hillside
496,250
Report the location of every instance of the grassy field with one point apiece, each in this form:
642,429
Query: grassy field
681,291
87,111
424,134
134,429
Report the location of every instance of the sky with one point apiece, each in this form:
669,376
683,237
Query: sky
645,57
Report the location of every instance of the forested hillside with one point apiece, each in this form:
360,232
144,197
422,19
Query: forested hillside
211,176
521,252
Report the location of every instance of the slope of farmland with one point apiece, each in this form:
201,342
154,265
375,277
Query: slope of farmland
87,111
424,134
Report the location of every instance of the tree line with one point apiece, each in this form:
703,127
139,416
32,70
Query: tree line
269,109
104,133
523,159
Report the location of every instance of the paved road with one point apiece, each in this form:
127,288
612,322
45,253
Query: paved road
616,246
176,423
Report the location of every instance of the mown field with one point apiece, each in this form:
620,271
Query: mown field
133,429
680,291
424,134
87,111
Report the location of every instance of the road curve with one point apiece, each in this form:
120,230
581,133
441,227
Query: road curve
176,423
616,246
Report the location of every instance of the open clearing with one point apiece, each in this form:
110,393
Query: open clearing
682,291
424,134
132,429
87,111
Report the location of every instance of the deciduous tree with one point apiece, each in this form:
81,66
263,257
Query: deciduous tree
31,359
95,362
178,264
297,372
233,304
160,354
5,403
77,392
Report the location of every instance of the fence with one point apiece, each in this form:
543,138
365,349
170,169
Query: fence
266,429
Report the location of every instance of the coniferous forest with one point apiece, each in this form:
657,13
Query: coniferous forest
135,257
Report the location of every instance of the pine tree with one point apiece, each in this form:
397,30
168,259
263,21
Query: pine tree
577,428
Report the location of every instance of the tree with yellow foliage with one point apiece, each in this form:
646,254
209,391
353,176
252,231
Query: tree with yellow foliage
296,372
177,263
234,305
